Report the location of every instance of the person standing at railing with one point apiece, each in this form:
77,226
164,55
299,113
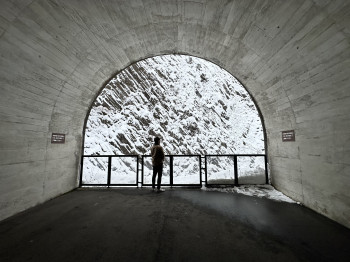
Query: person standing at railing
157,153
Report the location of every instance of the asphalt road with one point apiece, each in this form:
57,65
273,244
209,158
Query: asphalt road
176,225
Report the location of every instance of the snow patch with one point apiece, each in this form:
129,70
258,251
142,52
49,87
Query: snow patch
262,191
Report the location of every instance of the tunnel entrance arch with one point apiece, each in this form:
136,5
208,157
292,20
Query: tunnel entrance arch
196,107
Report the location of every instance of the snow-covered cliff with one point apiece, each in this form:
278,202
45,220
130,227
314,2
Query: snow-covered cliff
193,105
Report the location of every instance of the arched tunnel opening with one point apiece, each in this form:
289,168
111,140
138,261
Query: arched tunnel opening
210,126
56,56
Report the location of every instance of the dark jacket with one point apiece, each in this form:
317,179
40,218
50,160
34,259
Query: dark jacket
157,153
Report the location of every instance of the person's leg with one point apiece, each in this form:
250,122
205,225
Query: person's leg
160,172
154,177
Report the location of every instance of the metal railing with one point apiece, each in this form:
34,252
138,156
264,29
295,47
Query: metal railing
236,170
169,161
179,170
96,175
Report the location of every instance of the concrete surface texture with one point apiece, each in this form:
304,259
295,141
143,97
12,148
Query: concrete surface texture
292,56
177,225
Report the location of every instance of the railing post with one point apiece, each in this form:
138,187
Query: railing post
137,171
206,171
81,171
109,171
142,164
171,171
266,171
235,169
200,170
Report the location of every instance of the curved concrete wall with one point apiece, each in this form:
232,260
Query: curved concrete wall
293,57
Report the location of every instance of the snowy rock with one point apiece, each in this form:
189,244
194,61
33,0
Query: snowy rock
193,105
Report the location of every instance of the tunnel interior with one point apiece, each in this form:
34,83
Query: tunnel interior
293,57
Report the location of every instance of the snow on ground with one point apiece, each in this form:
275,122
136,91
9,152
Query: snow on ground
262,191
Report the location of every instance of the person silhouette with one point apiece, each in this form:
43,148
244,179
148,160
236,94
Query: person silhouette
157,153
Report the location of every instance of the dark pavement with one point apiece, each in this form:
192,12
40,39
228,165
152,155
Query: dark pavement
177,225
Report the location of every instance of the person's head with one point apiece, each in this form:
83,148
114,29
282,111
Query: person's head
157,140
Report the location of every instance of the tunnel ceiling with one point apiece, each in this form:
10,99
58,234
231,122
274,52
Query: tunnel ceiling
292,56
77,47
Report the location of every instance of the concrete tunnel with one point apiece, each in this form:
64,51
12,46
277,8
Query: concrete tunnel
292,56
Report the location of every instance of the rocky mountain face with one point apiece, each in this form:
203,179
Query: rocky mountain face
193,105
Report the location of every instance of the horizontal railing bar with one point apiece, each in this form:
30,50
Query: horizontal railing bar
110,184
103,185
110,156
173,155
187,185
168,185
226,184
237,155
144,184
135,184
